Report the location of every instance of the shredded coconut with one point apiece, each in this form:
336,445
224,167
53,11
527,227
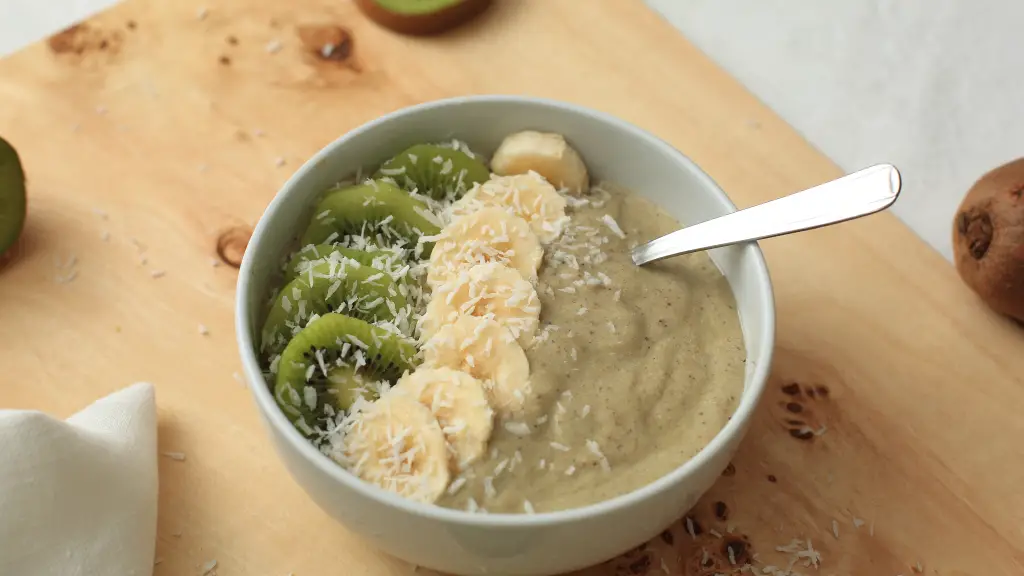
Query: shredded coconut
613,225
456,485
518,428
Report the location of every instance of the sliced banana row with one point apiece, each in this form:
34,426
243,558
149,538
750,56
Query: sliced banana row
484,312
490,290
398,444
487,235
459,403
545,153
432,423
489,352
528,196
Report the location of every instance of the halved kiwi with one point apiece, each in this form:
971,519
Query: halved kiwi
440,172
332,286
336,341
366,208
421,17
12,196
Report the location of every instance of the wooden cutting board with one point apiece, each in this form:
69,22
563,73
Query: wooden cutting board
155,134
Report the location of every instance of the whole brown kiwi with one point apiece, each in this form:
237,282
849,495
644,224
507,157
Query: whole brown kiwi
405,17
13,202
988,239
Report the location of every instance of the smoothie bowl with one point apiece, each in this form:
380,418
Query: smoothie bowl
455,357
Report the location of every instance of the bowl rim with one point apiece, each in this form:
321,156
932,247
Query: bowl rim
258,386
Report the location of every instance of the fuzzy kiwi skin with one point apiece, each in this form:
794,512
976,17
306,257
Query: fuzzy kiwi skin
387,355
317,253
988,239
12,196
350,209
282,315
424,173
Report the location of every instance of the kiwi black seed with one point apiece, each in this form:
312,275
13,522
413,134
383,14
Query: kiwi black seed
387,356
437,171
370,207
12,196
331,286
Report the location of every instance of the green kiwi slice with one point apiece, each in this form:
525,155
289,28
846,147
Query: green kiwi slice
333,286
336,340
411,7
370,255
370,207
437,171
345,385
421,17
12,196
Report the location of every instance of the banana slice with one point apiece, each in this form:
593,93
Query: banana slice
491,290
546,153
459,403
528,196
487,235
397,444
489,352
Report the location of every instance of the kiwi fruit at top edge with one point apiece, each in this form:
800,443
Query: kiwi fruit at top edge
988,239
421,17
12,196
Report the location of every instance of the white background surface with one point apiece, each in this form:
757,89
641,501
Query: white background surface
935,87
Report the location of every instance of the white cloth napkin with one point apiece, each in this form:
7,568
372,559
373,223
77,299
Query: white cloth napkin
79,497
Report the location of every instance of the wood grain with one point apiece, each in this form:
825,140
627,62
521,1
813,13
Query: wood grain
173,125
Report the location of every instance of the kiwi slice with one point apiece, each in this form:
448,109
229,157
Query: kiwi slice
345,385
371,256
437,171
369,207
344,286
12,196
339,341
317,253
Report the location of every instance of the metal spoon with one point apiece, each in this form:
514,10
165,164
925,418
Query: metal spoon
855,195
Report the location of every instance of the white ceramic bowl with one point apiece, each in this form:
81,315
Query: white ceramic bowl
540,544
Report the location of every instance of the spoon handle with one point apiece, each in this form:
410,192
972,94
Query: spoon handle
858,194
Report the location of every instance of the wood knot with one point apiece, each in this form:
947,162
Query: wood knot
791,389
737,551
721,511
328,43
67,40
976,228
231,245
82,39
802,433
640,566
